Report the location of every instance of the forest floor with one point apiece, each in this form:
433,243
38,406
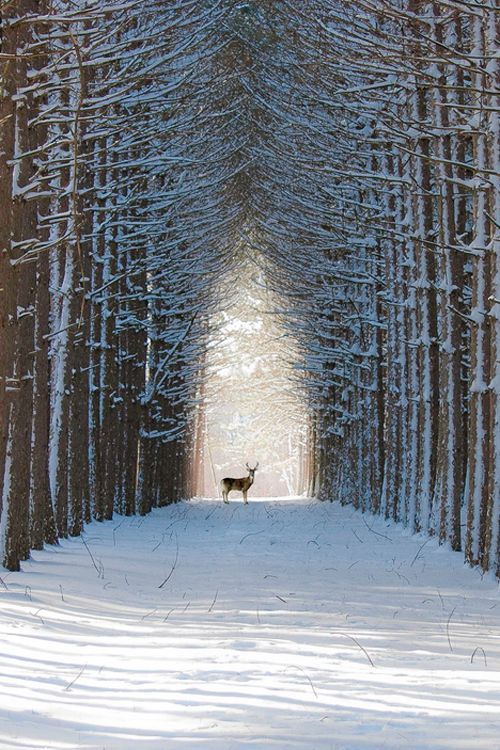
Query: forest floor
283,624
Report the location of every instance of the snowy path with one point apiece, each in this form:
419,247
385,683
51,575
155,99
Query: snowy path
288,624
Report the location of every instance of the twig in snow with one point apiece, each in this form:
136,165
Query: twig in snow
418,552
173,566
363,649
62,595
353,564
252,533
448,628
293,666
27,593
358,537
99,570
76,678
281,599
35,614
4,584
159,543
213,603
168,614
177,520
384,536
148,614
478,648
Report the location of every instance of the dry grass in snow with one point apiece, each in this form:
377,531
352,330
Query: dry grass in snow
286,624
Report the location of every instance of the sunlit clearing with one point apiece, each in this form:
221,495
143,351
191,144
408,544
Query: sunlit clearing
254,411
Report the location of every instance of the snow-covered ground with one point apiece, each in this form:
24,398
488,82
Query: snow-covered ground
282,624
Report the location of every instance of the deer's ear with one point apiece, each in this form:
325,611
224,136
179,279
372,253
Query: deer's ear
248,467
256,466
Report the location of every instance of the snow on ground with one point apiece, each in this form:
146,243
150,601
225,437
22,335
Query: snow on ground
282,624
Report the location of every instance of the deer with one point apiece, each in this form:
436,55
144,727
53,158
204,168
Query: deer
242,485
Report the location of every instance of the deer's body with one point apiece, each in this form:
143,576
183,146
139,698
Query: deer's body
241,485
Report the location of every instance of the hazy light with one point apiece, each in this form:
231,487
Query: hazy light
253,407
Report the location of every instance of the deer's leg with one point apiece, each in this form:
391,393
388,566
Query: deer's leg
245,500
224,496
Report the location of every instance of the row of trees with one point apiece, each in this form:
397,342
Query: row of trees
384,155
350,149
111,210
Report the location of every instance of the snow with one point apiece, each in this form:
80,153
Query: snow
281,624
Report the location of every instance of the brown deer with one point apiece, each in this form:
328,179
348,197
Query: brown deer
242,485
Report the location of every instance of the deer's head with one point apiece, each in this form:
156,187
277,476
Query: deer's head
251,472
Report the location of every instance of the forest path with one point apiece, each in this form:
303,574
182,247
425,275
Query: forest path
282,624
